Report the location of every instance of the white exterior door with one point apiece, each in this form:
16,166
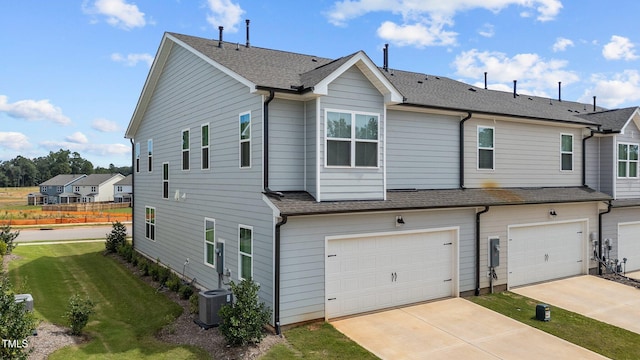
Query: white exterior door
544,252
378,271
629,245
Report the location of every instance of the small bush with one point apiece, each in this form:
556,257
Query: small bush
163,274
78,311
143,265
15,323
185,291
3,248
7,237
116,237
173,282
194,305
244,320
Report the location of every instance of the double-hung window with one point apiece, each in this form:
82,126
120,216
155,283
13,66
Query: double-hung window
150,223
185,149
486,147
137,157
204,132
627,160
566,152
210,242
59,189
245,140
165,180
352,139
150,154
245,239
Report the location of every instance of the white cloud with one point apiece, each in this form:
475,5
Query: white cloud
423,22
88,148
534,75
132,59
224,13
562,44
77,138
104,125
14,141
487,30
619,48
119,13
613,91
33,110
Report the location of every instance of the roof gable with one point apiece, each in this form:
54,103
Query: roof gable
635,117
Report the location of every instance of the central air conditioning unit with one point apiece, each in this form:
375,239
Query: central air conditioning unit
209,303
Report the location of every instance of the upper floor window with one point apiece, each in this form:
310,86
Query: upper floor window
119,188
165,180
137,157
204,131
627,160
43,189
76,188
185,149
486,147
566,152
150,154
60,189
210,242
246,252
150,223
352,139
245,140
94,189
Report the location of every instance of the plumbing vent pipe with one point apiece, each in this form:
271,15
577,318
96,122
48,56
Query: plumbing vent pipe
220,28
514,88
594,103
485,80
247,22
560,91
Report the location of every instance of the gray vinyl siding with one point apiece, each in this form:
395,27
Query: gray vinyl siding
311,137
422,150
607,165
497,220
610,223
526,155
593,163
286,145
303,252
352,91
627,188
191,92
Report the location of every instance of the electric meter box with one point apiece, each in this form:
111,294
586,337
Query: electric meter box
543,312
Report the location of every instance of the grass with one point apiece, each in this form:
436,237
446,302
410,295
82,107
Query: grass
128,311
607,340
317,341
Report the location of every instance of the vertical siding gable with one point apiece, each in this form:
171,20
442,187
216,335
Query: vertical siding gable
286,145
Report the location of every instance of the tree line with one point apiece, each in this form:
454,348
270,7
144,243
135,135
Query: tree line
21,171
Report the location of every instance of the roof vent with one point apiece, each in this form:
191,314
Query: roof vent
419,81
514,88
560,91
594,103
247,22
220,28
485,80
385,59
472,89
314,60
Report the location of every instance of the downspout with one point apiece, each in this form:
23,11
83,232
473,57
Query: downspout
461,145
265,156
584,158
486,208
276,292
609,206
133,183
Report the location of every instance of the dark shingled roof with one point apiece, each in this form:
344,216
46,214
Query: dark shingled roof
60,180
302,203
612,120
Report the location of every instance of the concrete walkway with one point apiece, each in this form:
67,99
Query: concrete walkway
454,329
597,298
634,275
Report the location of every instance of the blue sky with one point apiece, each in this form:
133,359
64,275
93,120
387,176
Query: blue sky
71,72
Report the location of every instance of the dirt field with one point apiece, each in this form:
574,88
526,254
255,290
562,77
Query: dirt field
13,196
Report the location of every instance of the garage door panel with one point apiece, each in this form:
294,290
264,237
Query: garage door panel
629,245
386,271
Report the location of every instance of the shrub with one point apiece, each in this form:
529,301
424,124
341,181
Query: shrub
163,274
7,237
126,252
194,305
244,320
185,291
173,282
3,248
116,237
143,265
15,322
78,311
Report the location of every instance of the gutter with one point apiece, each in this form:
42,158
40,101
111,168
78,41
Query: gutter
486,209
601,259
276,292
265,156
133,183
461,145
584,157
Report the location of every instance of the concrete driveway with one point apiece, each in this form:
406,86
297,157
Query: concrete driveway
591,296
454,329
634,275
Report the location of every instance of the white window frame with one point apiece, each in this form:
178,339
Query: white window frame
206,242
150,226
60,189
165,181
94,189
187,166
137,150
241,141
43,189
76,188
150,155
478,148
241,253
205,165
627,161
352,140
119,188
562,152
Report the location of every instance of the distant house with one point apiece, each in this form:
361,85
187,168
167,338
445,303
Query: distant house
95,188
53,190
123,190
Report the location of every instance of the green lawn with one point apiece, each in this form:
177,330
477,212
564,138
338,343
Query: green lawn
608,340
128,311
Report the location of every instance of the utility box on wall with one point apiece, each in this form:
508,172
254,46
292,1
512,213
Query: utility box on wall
543,312
494,252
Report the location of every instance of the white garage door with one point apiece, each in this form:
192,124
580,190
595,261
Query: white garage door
545,251
376,272
629,245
